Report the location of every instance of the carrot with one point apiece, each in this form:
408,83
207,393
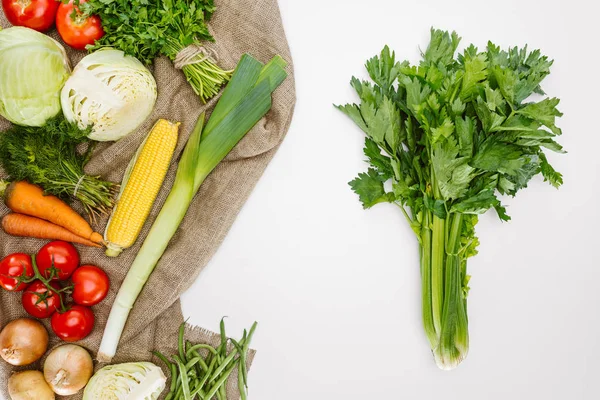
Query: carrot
23,225
24,198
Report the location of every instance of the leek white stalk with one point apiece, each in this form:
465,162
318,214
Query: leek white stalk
244,102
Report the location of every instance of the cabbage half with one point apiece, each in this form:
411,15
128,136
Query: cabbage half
132,381
33,69
111,92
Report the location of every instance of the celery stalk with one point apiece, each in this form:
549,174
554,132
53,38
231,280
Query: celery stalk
244,102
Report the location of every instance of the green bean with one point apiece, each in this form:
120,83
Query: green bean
208,373
181,342
194,361
223,338
178,393
162,358
184,382
220,382
241,386
201,346
242,359
174,378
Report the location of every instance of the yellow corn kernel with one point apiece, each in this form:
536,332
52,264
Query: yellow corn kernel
142,182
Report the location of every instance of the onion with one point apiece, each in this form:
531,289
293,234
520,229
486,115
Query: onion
68,369
23,341
29,385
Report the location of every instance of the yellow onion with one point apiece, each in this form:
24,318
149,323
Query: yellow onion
68,369
23,341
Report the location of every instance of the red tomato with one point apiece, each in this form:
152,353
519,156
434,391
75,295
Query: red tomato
15,266
90,285
62,256
73,325
78,32
40,302
35,14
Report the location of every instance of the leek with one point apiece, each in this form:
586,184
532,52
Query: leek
244,102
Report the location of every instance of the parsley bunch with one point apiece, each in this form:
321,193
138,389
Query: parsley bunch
451,134
148,29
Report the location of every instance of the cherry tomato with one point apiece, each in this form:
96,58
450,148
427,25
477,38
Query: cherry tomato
73,325
62,256
77,32
15,266
39,302
90,285
35,14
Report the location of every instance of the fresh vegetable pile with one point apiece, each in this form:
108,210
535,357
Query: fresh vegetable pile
451,134
58,114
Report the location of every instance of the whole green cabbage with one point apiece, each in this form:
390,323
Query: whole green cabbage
111,92
33,70
131,381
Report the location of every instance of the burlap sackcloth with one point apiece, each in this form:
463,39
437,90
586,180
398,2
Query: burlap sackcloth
239,26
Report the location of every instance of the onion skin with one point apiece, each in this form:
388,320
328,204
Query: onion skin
68,369
23,341
29,385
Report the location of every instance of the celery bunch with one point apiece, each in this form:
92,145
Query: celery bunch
451,134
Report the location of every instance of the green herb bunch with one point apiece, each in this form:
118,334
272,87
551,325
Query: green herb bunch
451,134
48,157
148,29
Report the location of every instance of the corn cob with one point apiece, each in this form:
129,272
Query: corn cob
141,184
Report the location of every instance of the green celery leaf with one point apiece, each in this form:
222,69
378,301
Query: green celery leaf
353,112
475,73
442,47
506,80
544,112
496,156
369,188
477,204
437,207
489,119
465,130
416,93
382,163
453,174
384,70
550,175
501,211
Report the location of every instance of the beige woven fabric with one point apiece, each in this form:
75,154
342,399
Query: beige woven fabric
239,26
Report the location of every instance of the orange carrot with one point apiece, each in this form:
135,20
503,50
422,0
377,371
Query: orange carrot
25,198
23,225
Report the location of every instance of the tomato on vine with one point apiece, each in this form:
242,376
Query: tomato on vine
15,271
41,302
74,324
57,260
90,285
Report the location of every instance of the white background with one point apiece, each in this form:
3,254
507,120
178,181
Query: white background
336,288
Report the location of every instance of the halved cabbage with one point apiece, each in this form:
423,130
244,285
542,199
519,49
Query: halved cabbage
131,381
111,92
33,69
